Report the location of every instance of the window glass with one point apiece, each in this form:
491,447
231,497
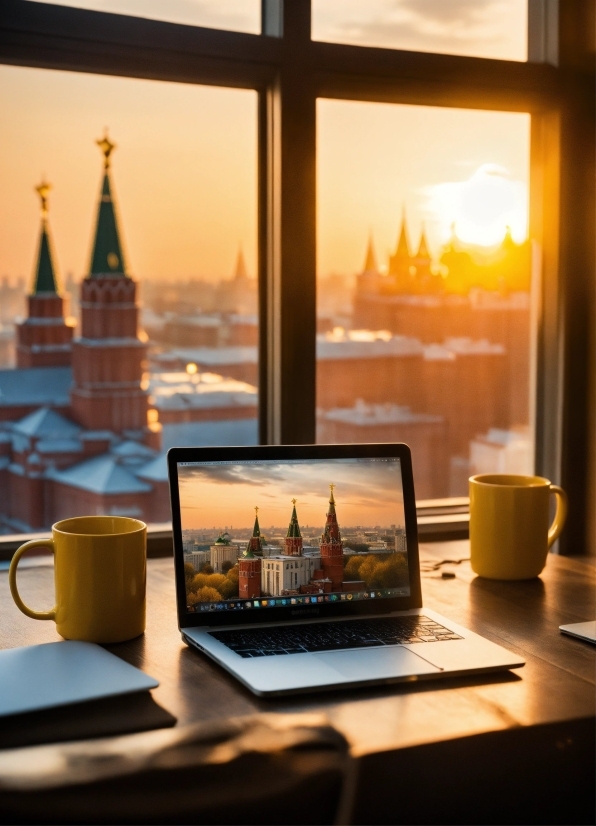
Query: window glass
128,296
234,15
478,28
423,290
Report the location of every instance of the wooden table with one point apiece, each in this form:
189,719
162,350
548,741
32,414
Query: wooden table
514,747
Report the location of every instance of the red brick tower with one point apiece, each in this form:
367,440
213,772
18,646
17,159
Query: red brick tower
249,565
332,548
108,358
44,339
293,540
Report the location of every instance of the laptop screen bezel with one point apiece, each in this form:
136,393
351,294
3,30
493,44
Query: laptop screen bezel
282,453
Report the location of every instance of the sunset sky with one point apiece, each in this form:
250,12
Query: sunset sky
366,494
184,171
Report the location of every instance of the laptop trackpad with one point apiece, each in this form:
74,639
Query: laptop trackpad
377,663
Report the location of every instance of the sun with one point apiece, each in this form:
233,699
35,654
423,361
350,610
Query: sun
482,208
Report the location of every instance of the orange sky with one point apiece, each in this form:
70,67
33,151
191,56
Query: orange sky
184,171
366,494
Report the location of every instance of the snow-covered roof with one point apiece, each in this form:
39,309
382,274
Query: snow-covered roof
379,414
438,352
333,346
178,391
35,386
214,356
129,448
46,423
59,446
227,432
473,347
156,470
102,474
182,401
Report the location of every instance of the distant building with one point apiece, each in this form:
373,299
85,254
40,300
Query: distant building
427,436
502,451
401,545
222,551
198,558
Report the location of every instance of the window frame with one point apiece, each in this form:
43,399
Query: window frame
290,71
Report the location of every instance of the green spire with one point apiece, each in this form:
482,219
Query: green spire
331,499
107,257
44,280
294,527
256,531
254,543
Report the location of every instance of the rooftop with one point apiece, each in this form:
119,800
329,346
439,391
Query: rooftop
102,474
35,386
46,423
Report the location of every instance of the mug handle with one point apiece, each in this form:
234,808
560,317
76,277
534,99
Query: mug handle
12,579
554,532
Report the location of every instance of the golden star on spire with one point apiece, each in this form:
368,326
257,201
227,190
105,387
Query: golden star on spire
107,147
43,190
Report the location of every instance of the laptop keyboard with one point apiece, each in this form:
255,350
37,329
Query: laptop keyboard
333,636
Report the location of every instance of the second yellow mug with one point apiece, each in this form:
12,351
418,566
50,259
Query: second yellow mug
509,524
99,574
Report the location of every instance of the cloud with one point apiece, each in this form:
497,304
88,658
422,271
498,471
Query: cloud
481,27
232,474
364,482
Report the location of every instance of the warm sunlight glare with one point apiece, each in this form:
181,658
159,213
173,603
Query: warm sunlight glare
481,208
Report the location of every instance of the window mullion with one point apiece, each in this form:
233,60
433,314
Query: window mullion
288,346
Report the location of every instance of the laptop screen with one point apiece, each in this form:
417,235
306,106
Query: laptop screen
267,534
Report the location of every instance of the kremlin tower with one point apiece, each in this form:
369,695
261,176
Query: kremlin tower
400,262
293,540
332,547
249,565
44,338
108,359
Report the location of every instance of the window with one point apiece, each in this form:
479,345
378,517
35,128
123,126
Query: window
423,291
284,72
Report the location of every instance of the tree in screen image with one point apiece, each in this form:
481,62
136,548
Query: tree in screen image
210,587
378,570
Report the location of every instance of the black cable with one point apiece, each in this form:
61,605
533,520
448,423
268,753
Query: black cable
426,567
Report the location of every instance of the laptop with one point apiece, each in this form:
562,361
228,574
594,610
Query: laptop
297,569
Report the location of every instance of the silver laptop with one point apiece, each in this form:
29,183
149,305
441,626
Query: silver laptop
297,569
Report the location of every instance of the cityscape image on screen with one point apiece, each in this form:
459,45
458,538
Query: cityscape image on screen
340,541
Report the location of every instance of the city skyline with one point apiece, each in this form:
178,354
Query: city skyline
366,493
185,172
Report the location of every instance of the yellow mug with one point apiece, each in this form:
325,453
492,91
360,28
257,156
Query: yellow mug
509,531
100,569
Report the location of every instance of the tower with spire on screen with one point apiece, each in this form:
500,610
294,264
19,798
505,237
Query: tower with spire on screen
293,541
332,547
249,564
